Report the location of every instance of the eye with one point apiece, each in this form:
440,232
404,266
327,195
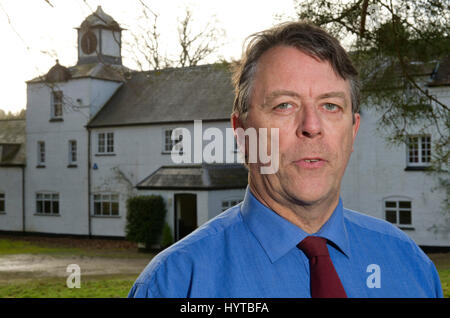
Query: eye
331,107
284,106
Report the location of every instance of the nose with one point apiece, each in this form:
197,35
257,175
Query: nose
310,125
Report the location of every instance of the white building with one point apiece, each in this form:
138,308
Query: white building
98,133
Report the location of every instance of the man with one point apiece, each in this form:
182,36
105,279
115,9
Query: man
291,236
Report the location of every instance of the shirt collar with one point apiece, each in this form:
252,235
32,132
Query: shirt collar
278,236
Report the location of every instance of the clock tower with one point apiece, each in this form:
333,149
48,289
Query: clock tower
99,39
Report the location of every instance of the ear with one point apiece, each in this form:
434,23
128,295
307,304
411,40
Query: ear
237,125
355,127
236,122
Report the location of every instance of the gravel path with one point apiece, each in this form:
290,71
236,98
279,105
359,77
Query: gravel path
46,265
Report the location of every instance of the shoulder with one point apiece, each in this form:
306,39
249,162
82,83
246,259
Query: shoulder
182,260
390,243
369,223
383,233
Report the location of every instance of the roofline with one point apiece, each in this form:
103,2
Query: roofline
154,123
12,165
40,81
438,84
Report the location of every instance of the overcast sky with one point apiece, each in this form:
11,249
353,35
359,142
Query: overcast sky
34,33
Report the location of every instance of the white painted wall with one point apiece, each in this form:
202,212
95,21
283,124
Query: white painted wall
138,153
11,187
70,183
216,197
111,42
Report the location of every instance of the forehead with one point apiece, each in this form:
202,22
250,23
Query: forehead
288,68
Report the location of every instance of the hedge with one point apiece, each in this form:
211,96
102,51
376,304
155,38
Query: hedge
145,219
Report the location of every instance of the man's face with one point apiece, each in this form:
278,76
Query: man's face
311,107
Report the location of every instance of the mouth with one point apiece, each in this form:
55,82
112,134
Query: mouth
311,162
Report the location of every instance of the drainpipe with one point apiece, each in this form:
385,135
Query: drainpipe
89,181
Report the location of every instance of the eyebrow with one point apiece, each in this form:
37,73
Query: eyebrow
332,94
273,95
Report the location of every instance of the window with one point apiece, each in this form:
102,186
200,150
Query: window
419,150
106,204
72,152
47,203
229,203
2,202
398,212
169,143
41,153
105,143
57,104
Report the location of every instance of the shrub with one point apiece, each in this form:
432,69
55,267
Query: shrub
167,238
145,219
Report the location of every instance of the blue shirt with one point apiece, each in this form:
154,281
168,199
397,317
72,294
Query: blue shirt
249,251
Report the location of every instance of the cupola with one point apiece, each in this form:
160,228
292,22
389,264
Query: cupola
99,39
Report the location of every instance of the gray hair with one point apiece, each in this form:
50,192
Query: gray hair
307,38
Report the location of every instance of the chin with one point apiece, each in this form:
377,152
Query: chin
308,193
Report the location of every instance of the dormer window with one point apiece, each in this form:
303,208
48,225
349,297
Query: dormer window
57,104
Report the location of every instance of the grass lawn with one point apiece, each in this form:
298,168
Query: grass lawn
9,247
98,286
442,262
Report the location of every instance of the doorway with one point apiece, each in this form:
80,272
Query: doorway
185,216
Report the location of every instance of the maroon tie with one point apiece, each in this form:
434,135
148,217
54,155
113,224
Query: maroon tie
325,282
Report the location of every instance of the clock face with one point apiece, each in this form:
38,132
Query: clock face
88,42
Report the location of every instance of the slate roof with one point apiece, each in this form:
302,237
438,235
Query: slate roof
109,72
171,95
197,177
12,142
99,19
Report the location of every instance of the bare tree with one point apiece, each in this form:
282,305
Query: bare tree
145,47
194,47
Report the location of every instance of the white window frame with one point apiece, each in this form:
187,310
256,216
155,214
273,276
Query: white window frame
423,159
57,104
73,152
105,143
2,202
41,153
168,142
106,204
50,203
398,209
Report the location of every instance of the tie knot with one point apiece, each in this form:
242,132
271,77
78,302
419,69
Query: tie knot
314,246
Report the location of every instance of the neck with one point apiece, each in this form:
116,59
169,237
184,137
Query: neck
309,216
